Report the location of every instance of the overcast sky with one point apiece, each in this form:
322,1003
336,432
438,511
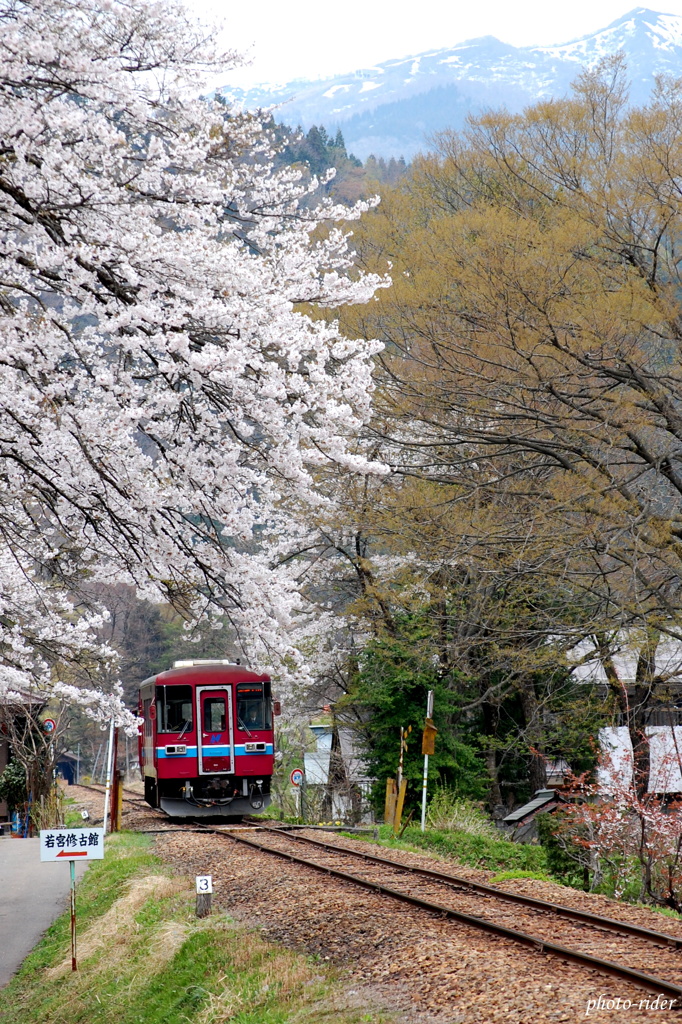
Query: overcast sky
310,38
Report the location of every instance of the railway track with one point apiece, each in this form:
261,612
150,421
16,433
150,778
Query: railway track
633,953
608,946
100,788
129,795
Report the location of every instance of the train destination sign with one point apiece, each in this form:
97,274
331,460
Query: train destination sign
71,844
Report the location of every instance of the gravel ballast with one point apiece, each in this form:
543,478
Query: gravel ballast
425,969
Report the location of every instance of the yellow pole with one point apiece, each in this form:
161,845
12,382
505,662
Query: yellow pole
399,807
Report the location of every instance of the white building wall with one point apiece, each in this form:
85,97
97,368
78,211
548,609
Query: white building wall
665,749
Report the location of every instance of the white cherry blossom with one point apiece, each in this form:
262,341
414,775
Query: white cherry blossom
162,392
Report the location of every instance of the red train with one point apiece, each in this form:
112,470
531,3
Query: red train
207,743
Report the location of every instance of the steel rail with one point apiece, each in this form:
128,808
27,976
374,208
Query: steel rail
99,787
649,982
570,913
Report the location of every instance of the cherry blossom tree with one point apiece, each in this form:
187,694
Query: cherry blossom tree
617,832
165,401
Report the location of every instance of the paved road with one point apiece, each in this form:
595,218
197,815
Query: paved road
32,895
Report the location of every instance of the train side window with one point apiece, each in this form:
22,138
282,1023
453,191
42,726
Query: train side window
214,714
174,708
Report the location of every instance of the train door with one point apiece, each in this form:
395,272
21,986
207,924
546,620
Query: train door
149,716
147,710
214,717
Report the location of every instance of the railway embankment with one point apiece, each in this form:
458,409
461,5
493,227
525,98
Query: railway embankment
294,939
436,968
143,956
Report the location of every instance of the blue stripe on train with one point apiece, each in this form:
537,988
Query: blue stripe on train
215,750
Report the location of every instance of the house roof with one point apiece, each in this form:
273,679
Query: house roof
541,800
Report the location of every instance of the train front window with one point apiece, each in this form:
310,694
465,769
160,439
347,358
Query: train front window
253,707
214,714
174,708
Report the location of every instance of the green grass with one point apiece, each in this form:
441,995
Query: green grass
475,851
72,815
507,876
144,958
103,883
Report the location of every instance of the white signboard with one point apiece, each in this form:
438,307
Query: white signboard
204,883
71,844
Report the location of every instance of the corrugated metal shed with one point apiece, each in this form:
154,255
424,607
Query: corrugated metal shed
542,798
317,764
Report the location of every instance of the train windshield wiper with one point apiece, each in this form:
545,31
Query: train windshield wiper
184,729
243,727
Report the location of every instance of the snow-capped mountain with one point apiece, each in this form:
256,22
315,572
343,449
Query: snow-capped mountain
393,108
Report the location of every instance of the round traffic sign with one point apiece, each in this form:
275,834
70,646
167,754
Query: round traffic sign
296,777
49,725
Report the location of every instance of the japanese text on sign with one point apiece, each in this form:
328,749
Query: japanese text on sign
71,844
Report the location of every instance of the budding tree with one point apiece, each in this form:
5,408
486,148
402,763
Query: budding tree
162,395
532,375
630,840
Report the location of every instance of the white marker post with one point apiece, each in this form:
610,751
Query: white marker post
427,729
72,844
204,885
110,757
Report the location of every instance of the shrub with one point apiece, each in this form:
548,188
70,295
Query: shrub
449,813
13,785
561,865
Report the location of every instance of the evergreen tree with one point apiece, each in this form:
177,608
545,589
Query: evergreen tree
316,150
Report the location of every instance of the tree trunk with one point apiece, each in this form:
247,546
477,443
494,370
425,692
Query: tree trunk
534,735
645,679
634,711
490,723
